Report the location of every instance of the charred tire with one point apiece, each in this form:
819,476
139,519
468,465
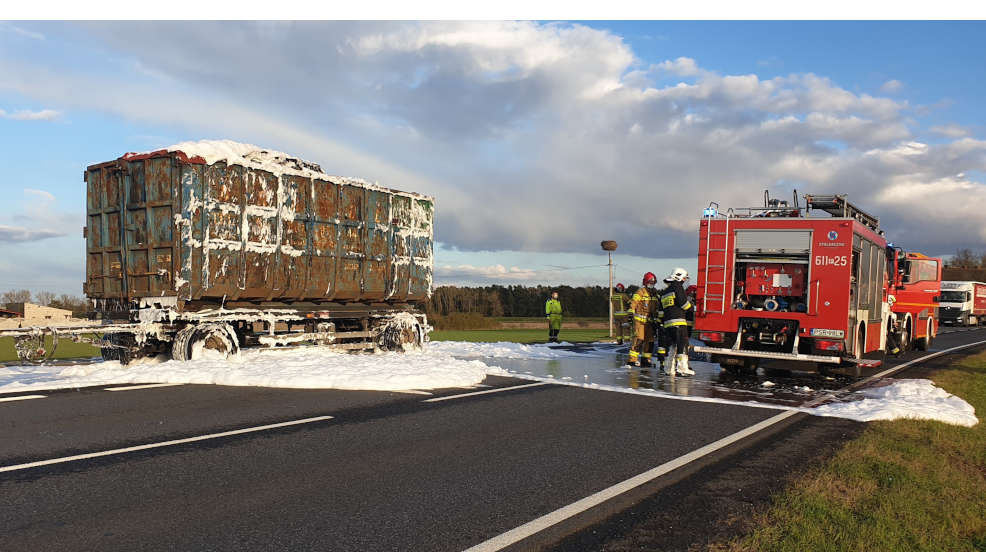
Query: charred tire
399,335
124,353
191,342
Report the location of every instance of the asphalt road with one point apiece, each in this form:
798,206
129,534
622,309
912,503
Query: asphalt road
388,471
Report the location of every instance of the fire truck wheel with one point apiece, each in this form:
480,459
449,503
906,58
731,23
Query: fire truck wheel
924,343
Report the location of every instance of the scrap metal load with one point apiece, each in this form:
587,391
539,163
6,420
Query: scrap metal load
217,245
779,288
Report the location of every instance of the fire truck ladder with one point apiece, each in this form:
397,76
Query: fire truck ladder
838,206
713,244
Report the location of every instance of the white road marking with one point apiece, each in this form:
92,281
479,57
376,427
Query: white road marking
537,525
414,391
874,377
21,398
533,527
497,390
148,386
160,444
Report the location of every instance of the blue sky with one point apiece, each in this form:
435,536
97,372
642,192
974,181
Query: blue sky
537,139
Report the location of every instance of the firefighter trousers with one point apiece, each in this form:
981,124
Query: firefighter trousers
643,341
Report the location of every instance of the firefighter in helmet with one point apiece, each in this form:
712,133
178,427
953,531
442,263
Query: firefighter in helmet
620,303
675,303
643,311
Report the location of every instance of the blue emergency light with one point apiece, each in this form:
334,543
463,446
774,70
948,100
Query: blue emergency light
709,212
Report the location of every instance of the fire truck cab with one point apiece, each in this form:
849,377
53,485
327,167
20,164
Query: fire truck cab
778,287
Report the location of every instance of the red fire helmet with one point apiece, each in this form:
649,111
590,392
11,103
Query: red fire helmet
649,279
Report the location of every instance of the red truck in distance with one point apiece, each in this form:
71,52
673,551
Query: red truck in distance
779,286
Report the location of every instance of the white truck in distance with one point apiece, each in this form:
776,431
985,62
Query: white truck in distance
963,303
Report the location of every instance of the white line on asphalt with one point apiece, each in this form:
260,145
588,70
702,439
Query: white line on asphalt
497,390
160,444
148,386
414,391
874,377
21,398
533,527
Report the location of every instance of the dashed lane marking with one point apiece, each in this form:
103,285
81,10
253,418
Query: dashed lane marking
21,398
147,386
497,390
413,391
161,444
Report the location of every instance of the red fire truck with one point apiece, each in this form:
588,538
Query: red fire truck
780,288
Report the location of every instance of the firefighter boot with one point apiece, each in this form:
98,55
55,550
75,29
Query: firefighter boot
669,366
682,366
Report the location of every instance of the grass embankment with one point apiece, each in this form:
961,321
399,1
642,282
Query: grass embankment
469,326
904,485
66,349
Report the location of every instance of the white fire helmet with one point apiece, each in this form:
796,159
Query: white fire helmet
678,274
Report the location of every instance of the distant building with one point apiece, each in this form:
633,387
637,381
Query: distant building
16,315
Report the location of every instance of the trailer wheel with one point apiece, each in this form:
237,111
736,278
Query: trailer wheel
124,353
401,336
210,340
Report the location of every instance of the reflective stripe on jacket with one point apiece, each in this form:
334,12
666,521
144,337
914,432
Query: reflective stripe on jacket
675,303
643,304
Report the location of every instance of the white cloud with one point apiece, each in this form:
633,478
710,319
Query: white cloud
45,196
24,32
891,86
682,66
950,130
13,234
45,115
532,137
468,272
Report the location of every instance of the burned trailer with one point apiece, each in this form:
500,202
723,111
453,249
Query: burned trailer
218,245
780,288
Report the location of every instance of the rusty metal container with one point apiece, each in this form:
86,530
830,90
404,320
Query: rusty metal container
169,225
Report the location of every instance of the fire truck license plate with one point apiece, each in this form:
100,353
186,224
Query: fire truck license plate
822,260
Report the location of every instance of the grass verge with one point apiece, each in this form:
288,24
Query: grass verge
518,335
66,349
903,485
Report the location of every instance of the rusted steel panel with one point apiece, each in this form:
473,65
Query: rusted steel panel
168,224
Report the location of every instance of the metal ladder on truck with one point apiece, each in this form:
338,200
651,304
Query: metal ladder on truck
714,267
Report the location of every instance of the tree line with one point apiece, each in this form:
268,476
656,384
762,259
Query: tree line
518,300
76,304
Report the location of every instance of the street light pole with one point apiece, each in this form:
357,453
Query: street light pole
609,247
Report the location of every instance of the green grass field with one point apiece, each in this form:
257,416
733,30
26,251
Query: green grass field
519,335
903,485
66,349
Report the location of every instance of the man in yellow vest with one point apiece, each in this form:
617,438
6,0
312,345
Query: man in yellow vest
552,311
643,310
621,315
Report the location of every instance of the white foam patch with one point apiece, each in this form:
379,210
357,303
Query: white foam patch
917,399
310,367
506,349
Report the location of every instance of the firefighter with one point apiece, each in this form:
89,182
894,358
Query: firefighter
552,311
675,303
620,301
643,310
